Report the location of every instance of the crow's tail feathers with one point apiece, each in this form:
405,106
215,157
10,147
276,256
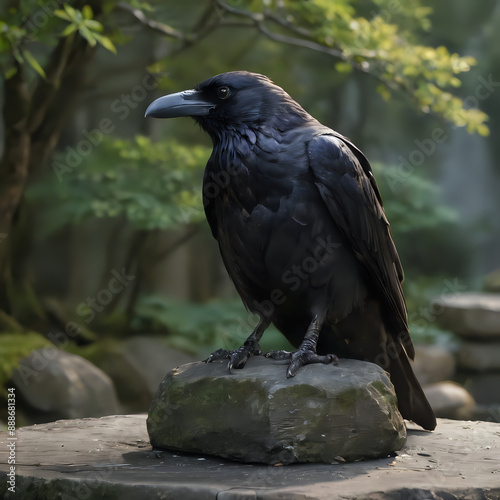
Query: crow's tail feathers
412,402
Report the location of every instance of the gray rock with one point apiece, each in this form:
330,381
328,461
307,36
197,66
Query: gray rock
450,400
56,384
484,386
469,314
110,458
479,356
433,364
487,413
136,366
492,282
152,359
258,415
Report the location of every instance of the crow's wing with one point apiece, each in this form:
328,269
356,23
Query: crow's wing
345,181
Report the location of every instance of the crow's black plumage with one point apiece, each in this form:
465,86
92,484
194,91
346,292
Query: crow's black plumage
302,232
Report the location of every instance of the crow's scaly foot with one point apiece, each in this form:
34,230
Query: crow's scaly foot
301,357
279,355
304,357
237,357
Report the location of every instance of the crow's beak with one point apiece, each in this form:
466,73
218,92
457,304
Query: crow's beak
186,103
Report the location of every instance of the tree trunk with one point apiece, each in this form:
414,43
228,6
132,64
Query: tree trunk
14,167
33,124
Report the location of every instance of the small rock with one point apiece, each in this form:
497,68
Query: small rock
258,415
153,359
136,366
449,400
59,385
483,386
492,282
433,364
479,357
487,413
470,315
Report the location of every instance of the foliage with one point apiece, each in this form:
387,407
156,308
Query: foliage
381,38
31,21
16,346
152,185
202,328
83,22
158,185
412,203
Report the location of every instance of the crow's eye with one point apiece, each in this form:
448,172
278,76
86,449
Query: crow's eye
223,92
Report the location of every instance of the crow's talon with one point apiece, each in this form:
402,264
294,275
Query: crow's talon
218,355
237,357
304,357
279,355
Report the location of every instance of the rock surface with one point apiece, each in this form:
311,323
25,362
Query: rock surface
111,457
479,356
469,314
56,384
433,364
484,387
492,282
258,415
450,400
137,366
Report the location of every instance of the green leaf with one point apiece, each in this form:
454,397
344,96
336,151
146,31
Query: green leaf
105,42
10,72
71,28
93,25
343,67
73,13
34,63
87,12
63,15
88,35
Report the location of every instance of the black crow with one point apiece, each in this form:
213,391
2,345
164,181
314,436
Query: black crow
299,220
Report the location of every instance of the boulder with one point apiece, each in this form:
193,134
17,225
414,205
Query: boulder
136,366
450,400
491,282
470,315
479,356
433,363
55,384
326,413
483,386
152,359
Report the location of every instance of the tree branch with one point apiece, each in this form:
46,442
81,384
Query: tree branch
259,20
161,28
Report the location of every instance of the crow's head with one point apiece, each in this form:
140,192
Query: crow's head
230,100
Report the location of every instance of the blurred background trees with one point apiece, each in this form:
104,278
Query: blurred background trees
101,222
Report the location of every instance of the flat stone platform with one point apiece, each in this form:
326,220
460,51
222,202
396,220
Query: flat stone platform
111,458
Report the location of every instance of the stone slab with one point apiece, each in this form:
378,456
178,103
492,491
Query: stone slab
110,457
